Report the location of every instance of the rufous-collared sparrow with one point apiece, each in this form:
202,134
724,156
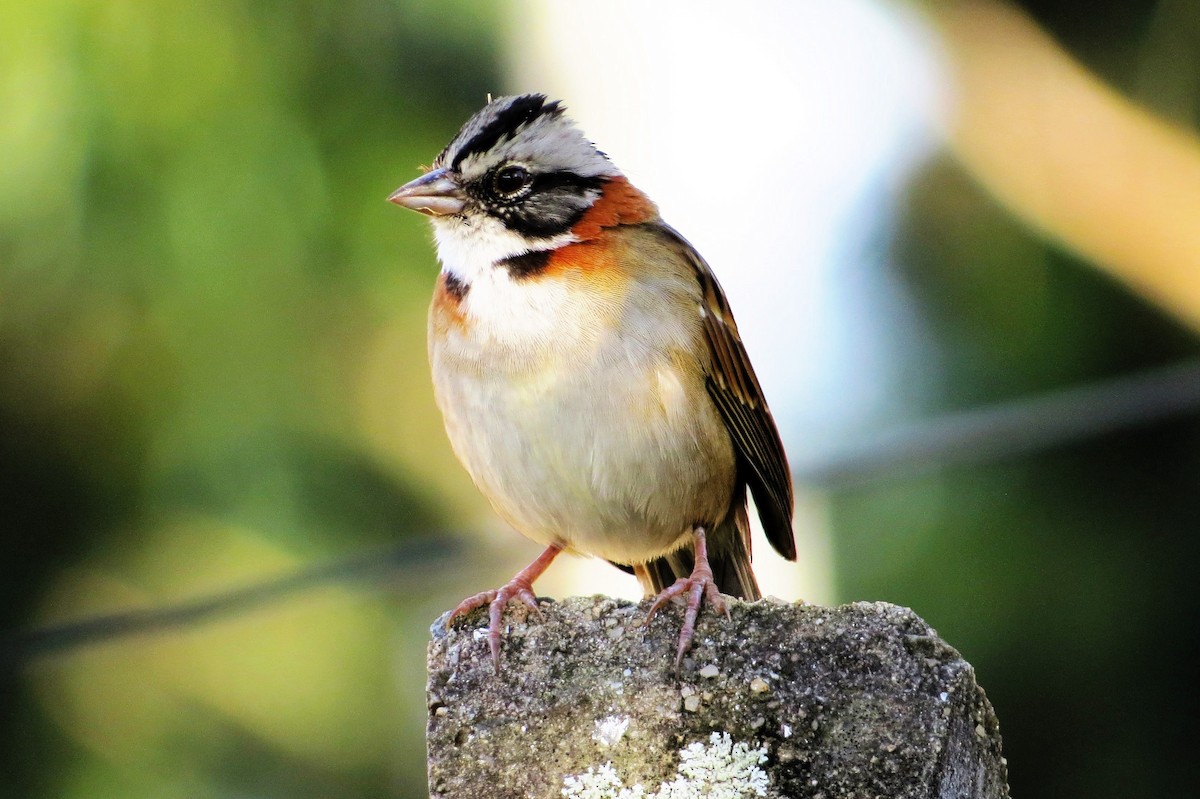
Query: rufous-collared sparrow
589,370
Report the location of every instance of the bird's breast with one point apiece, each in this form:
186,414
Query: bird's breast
579,407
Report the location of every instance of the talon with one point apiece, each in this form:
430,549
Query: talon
698,586
519,587
530,601
471,603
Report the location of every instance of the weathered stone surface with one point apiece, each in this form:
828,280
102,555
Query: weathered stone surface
862,700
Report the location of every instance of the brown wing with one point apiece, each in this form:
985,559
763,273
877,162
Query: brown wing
739,398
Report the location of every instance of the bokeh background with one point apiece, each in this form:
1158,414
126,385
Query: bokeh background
962,240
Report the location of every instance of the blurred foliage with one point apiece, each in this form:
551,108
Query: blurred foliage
211,370
1065,578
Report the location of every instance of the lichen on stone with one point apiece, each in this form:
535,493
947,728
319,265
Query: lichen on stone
610,730
721,769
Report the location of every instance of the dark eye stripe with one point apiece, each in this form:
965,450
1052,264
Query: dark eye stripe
554,204
567,183
548,181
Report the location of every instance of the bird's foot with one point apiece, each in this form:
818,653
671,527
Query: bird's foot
519,587
497,599
696,587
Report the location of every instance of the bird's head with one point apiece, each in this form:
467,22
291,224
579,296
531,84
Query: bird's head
516,178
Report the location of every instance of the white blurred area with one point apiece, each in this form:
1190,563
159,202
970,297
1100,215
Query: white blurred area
775,136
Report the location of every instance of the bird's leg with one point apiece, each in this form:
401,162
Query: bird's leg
698,586
519,587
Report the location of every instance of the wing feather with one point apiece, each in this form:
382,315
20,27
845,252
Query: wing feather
735,391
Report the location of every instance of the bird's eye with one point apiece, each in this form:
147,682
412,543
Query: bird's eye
512,182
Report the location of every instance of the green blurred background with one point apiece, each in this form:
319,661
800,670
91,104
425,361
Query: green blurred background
212,375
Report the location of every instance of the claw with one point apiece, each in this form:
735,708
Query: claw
698,587
519,587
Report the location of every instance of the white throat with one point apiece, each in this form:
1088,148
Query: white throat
470,248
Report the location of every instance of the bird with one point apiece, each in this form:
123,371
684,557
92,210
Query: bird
589,370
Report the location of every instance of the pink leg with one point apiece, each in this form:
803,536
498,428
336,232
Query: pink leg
519,587
699,586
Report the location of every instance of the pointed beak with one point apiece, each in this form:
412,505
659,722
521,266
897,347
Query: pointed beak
435,193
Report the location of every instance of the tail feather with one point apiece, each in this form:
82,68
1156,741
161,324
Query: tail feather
729,556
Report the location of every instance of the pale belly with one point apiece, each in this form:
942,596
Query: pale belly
617,457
